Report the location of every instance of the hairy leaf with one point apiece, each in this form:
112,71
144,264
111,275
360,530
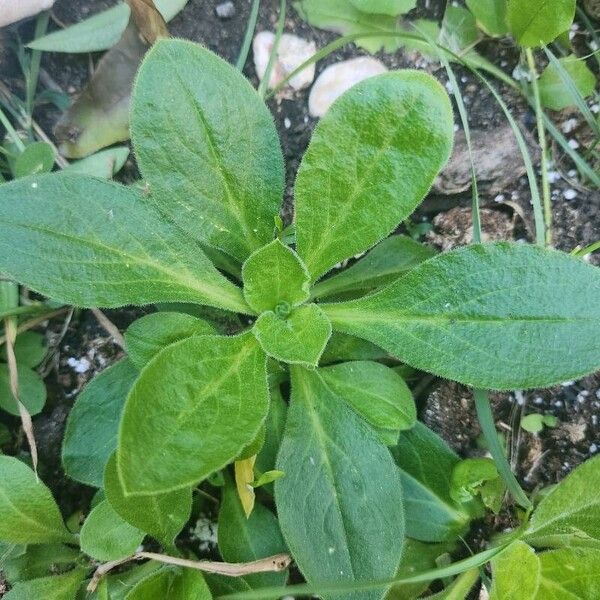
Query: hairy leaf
245,539
212,159
274,275
388,133
536,22
374,391
195,406
147,336
426,464
162,516
570,513
340,487
57,232
91,433
341,347
497,316
37,561
29,513
54,587
299,338
387,261
171,584
106,536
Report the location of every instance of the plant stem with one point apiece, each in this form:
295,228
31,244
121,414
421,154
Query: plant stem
539,116
243,55
486,420
11,131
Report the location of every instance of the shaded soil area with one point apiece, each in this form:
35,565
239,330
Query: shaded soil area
81,347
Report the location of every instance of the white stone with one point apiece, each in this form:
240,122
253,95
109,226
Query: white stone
292,52
338,78
12,11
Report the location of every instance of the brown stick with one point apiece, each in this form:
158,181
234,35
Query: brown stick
110,327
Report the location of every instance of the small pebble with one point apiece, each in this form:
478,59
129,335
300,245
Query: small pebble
225,10
593,448
287,123
570,194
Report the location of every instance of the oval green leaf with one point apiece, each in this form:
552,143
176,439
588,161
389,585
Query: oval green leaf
537,22
213,159
59,231
106,536
193,409
147,336
171,584
93,423
29,513
32,391
340,503
388,133
54,587
494,316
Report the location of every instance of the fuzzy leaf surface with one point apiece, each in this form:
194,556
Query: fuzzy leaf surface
149,334
274,274
495,316
384,7
570,513
93,424
298,339
340,487
388,133
213,159
106,536
29,513
93,243
374,391
54,587
162,516
195,406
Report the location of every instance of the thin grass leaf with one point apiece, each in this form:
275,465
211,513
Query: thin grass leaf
250,28
263,86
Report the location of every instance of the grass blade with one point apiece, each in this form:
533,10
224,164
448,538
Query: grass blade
250,28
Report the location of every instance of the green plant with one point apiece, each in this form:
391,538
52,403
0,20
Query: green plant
203,388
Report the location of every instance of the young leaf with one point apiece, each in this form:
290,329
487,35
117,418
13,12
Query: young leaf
57,231
104,164
274,275
374,391
490,15
469,475
389,132
29,513
162,516
54,587
459,31
537,22
426,464
106,536
37,157
93,423
554,93
344,18
570,513
387,261
342,347
195,406
100,31
298,339
244,539
29,348
274,426
495,316
174,584
340,487
384,7
32,391
147,336
213,160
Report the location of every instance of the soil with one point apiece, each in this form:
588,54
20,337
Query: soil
81,347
